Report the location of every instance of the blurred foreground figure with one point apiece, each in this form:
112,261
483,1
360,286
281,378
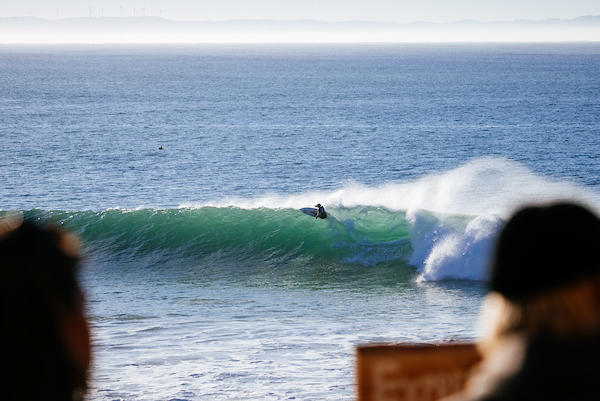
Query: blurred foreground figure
45,336
543,314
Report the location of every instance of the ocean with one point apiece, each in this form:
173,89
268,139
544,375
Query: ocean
182,168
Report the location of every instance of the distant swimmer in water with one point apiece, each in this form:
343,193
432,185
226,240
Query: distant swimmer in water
320,211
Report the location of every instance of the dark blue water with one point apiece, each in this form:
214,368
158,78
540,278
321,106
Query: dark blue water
204,280
81,126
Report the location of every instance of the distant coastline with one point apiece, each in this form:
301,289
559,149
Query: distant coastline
15,30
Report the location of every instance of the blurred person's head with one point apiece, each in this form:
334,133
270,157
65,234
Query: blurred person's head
545,275
45,334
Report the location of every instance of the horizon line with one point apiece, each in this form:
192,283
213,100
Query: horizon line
303,20
155,29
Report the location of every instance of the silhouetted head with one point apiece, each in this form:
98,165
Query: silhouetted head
45,334
545,247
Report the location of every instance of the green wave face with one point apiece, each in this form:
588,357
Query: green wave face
364,236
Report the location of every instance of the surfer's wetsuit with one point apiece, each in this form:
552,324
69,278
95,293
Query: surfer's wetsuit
320,212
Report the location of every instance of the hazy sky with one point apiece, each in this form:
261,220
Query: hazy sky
327,10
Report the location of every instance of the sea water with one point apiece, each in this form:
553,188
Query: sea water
182,169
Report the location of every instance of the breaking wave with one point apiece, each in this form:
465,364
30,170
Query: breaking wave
442,226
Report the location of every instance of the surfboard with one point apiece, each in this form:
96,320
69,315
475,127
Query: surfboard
311,211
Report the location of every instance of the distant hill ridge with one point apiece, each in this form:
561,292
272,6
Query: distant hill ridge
160,30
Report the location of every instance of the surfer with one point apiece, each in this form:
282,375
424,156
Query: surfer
320,211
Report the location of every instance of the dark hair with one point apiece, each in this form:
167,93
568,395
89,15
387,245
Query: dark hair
545,247
38,279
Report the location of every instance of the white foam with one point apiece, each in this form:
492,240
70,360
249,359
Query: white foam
488,189
453,251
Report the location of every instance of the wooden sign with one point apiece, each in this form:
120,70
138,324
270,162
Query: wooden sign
412,373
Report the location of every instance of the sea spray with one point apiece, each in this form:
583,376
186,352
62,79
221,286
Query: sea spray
483,186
